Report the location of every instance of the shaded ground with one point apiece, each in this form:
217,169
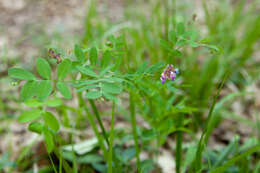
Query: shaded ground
26,25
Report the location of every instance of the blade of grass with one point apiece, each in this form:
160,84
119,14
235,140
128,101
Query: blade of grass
206,132
134,130
111,138
257,168
235,159
60,160
226,152
189,156
53,166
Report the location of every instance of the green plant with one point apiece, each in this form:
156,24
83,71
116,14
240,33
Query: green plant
99,80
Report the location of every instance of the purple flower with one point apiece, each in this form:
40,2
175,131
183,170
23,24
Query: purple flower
172,76
163,79
169,73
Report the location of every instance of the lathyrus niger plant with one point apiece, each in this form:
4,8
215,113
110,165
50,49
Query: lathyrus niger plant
95,74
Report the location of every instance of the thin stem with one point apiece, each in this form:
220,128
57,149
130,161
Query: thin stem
93,125
94,108
100,139
93,105
60,160
54,168
65,165
111,139
74,162
133,122
60,155
179,144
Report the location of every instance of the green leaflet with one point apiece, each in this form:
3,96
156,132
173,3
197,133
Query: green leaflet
87,87
109,96
54,102
87,71
93,56
48,140
33,103
20,73
93,94
28,90
36,127
51,121
106,58
79,53
44,90
43,68
180,28
64,90
29,115
113,88
63,69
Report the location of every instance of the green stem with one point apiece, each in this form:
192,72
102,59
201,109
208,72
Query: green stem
53,166
74,162
133,122
65,165
101,125
111,137
60,154
60,160
94,108
93,125
179,144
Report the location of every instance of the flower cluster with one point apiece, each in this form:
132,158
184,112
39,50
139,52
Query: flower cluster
169,73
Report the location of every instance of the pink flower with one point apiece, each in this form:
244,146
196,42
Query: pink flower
169,73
